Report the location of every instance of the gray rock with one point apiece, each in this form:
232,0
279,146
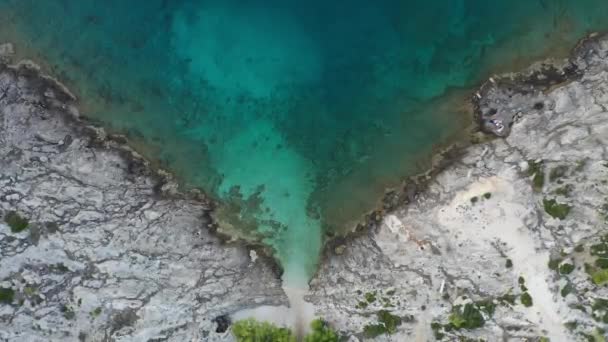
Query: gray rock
113,251
480,224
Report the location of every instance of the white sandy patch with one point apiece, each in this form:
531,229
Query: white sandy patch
501,218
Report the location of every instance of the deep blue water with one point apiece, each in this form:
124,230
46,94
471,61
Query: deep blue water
295,115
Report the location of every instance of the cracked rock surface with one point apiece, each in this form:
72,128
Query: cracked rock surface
112,251
487,231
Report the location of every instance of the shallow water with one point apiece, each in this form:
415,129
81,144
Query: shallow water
294,115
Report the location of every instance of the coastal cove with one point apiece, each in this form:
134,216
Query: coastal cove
296,133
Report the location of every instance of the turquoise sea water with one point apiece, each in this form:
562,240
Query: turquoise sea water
294,115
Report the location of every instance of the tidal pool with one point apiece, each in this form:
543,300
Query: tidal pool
294,115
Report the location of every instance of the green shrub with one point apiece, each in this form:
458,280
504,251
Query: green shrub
509,263
16,222
602,263
374,330
600,249
390,321
554,264
6,295
566,290
566,268
467,317
321,332
250,330
600,277
526,299
556,210
370,297
487,195
387,324
537,170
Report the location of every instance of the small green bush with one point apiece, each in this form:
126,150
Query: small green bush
566,290
387,324
321,332
556,210
370,297
466,317
509,263
487,195
374,330
16,222
6,295
250,330
554,264
537,170
390,321
526,299
602,263
600,277
566,268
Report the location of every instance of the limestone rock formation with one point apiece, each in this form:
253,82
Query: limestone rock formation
507,243
96,247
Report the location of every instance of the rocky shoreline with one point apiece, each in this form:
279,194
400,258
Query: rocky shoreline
101,246
114,251
507,242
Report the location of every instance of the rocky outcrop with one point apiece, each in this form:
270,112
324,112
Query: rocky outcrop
94,246
507,244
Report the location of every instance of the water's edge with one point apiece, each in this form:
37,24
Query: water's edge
394,199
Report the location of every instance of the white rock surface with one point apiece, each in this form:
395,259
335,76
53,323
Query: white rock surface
112,252
453,242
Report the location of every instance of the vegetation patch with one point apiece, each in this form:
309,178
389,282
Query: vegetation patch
321,332
387,324
96,312
602,263
555,209
370,297
566,268
470,316
251,330
599,310
16,222
509,263
526,299
537,171
600,277
566,290
554,264
487,195
6,295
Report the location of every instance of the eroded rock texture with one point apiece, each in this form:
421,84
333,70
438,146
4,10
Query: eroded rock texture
514,230
111,251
